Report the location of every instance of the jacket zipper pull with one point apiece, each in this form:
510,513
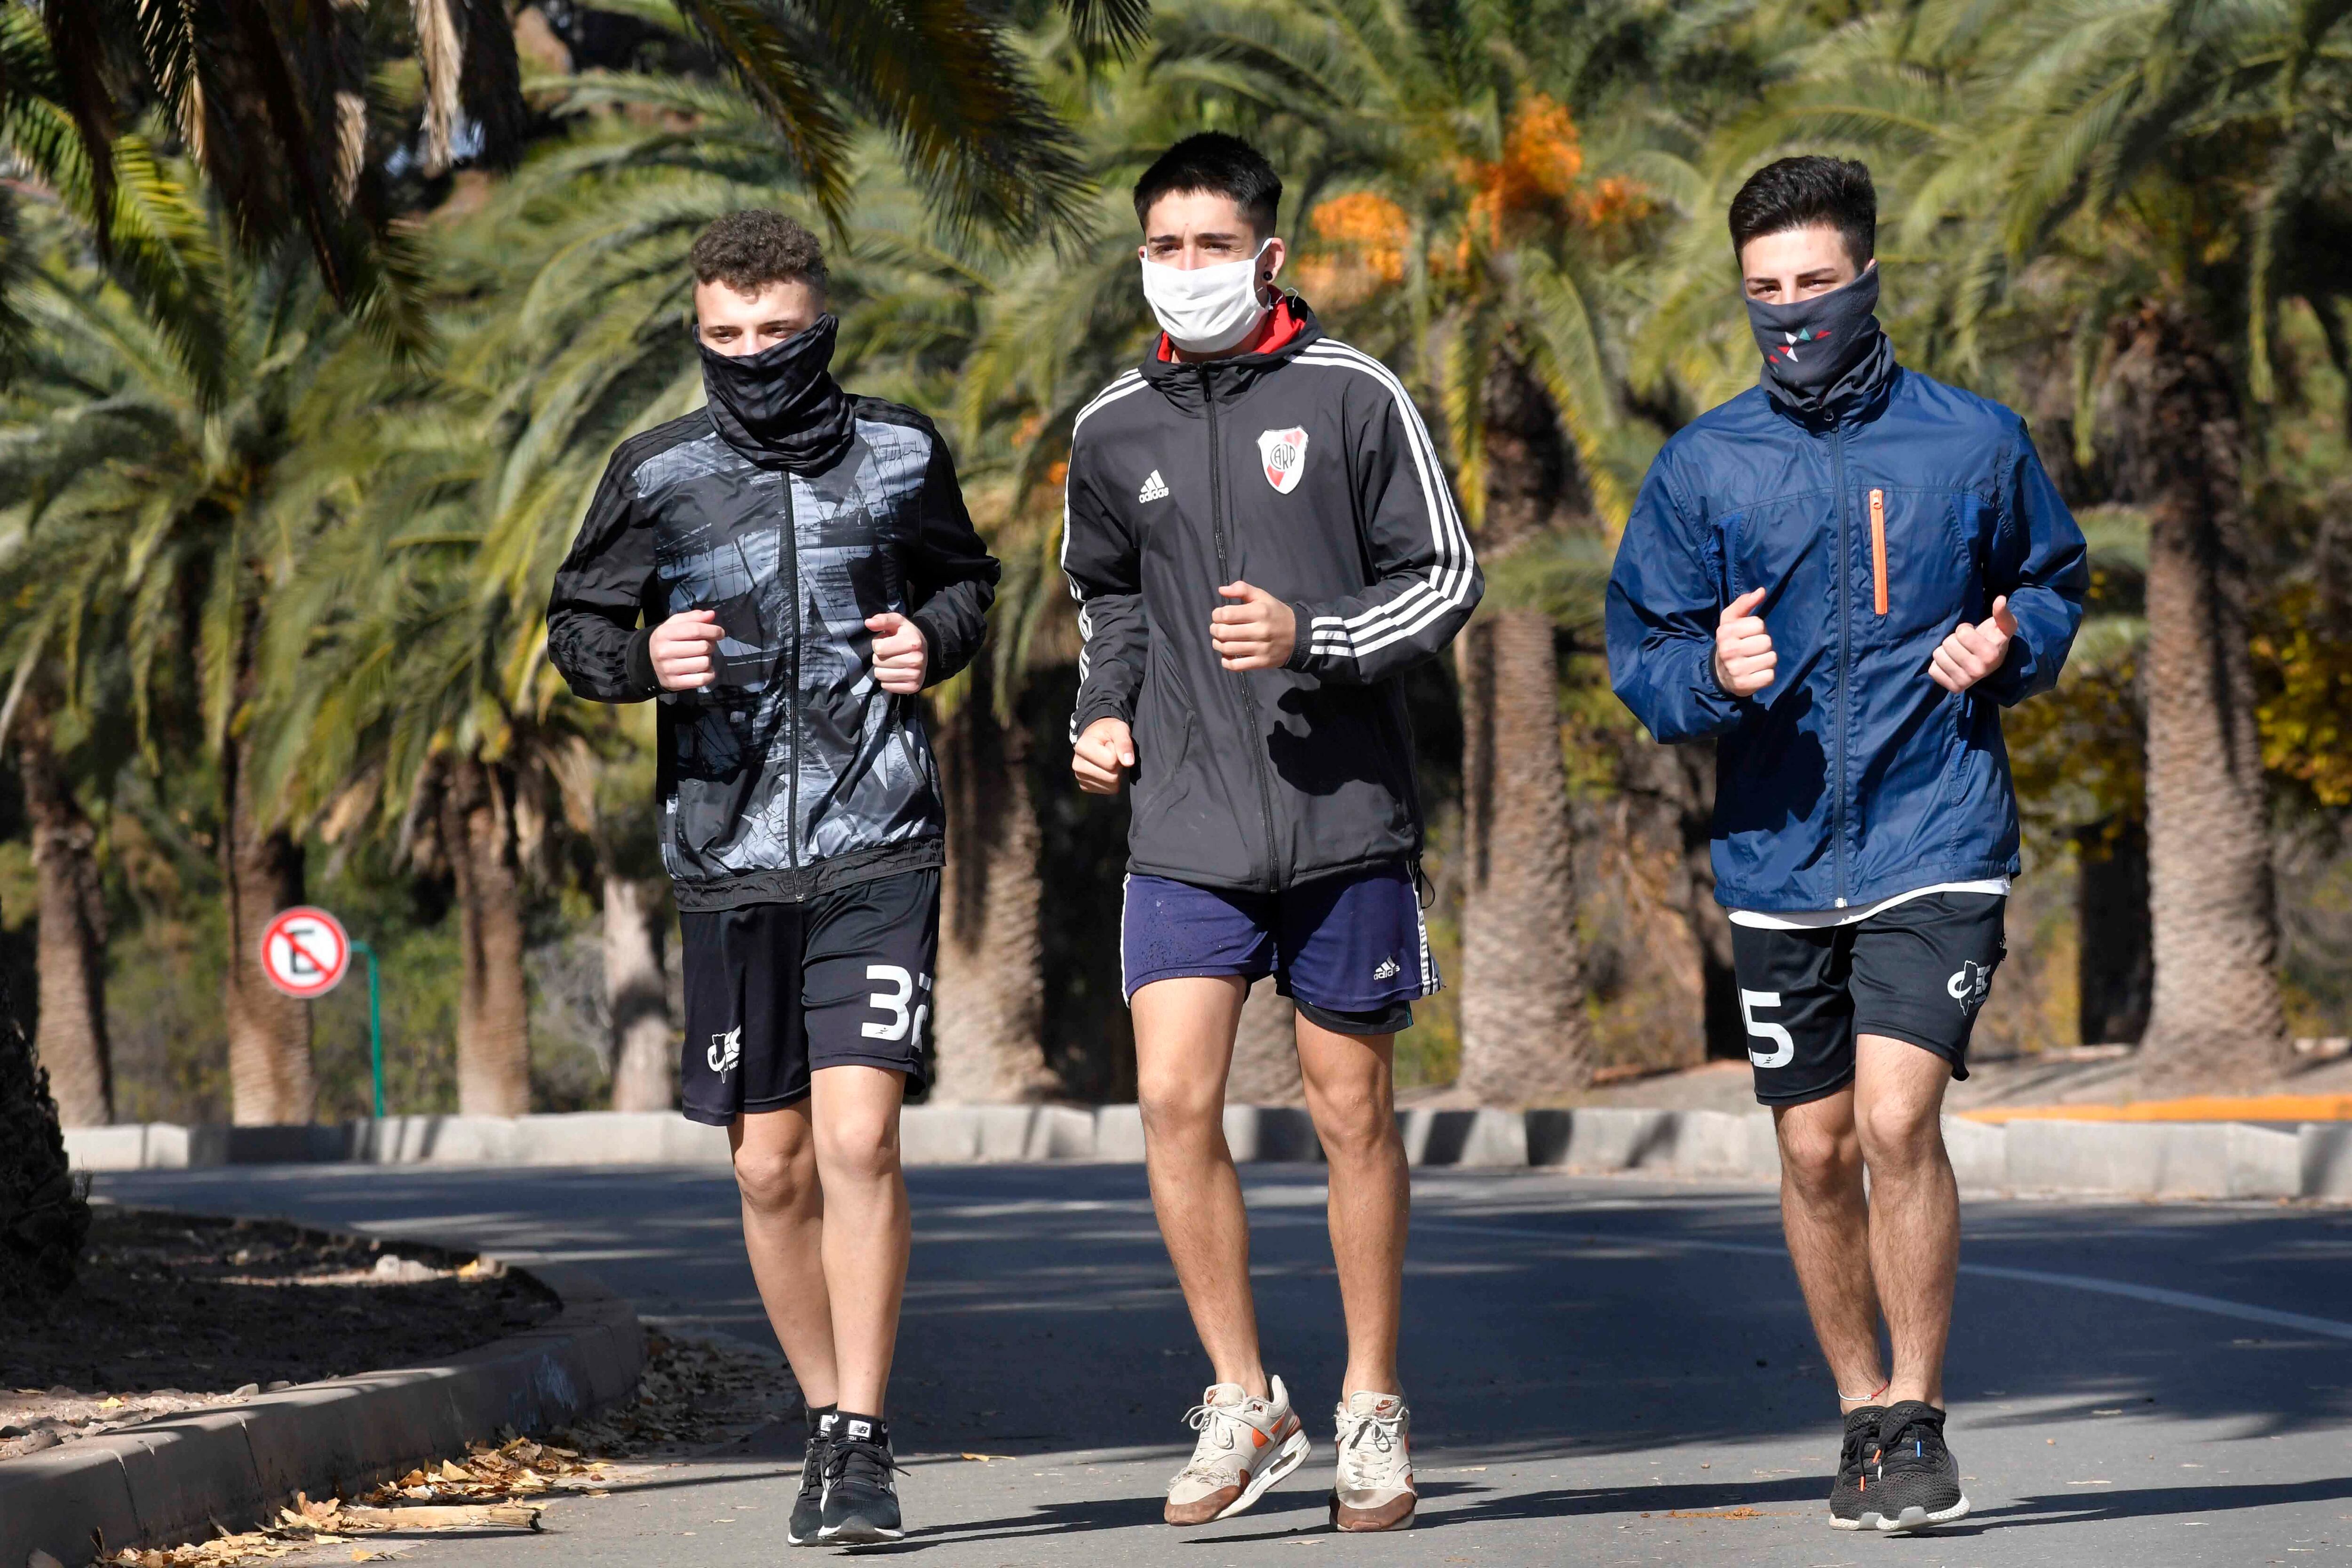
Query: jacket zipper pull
1878,546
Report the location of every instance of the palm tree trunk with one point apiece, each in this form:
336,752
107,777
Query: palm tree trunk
2216,1020
990,1016
493,1001
637,995
1265,1051
70,1041
268,1032
1524,1033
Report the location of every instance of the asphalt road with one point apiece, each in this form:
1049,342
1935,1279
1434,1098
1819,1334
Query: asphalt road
1602,1372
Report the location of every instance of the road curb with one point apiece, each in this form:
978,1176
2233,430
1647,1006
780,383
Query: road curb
2139,1159
174,1479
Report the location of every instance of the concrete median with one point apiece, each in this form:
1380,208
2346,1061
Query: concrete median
2141,1159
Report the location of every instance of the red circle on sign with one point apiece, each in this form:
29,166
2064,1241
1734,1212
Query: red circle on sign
304,951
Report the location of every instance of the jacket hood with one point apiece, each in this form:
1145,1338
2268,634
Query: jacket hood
780,407
1182,384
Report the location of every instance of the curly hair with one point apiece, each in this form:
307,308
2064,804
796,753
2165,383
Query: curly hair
747,250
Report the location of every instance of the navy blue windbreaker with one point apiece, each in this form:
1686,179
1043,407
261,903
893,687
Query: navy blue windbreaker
1854,776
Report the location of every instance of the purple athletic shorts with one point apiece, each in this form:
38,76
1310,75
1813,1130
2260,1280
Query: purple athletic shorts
1351,950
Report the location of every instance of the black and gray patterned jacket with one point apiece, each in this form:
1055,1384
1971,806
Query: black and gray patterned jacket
793,773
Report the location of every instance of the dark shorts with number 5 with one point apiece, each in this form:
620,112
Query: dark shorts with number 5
1919,972
775,991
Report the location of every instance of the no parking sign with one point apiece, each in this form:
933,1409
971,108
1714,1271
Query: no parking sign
304,951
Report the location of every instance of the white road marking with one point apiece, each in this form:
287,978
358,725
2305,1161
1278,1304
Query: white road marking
2157,1295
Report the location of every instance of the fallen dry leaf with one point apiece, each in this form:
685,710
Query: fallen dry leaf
469,1516
693,1392
983,1459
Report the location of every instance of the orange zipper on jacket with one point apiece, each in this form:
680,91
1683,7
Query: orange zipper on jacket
1878,546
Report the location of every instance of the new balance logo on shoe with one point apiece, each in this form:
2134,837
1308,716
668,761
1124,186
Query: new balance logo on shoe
1388,969
1154,488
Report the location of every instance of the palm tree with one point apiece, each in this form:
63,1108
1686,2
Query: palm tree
146,496
70,1038
2156,176
278,102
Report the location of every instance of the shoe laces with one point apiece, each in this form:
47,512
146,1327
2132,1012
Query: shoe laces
1215,1424
859,1462
813,1467
1371,1448
1918,1441
1860,1441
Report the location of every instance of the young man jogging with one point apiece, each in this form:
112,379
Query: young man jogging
1262,541
1844,575
803,565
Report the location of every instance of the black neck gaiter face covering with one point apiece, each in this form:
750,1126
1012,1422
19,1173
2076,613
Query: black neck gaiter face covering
781,404
1825,353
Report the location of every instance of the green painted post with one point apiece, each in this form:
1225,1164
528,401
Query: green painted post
375,1023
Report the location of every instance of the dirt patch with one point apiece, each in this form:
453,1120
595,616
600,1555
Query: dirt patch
696,1391
175,1312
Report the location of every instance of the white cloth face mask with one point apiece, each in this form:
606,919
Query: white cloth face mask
1204,310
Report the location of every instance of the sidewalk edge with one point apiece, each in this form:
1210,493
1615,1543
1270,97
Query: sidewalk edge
171,1480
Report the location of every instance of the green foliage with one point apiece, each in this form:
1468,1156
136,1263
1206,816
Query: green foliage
276,466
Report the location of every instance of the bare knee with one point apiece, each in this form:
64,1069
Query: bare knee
859,1149
776,1178
1354,1120
1820,1159
1179,1107
1897,1136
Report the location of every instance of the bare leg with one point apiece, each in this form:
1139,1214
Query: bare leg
1915,1206
1826,1217
1350,1092
866,1233
783,1222
1183,1048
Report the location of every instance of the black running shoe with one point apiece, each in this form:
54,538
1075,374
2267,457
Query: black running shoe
1916,1482
808,1508
1851,1495
861,1493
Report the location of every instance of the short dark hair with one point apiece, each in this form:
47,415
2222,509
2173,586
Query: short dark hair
1220,165
1797,193
747,250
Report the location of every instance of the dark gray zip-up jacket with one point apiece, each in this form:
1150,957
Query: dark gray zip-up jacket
792,774
1305,472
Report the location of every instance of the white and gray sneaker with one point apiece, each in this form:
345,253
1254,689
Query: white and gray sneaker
1375,1487
1246,1445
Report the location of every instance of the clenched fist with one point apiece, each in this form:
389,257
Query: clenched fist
1743,649
1256,632
684,648
901,654
1104,753
1971,653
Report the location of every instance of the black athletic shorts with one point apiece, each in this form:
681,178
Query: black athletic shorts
1917,972
775,991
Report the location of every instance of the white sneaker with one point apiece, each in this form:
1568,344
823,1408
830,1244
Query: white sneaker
1246,1445
1375,1487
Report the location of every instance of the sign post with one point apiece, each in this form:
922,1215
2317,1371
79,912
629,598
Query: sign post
305,952
375,1023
